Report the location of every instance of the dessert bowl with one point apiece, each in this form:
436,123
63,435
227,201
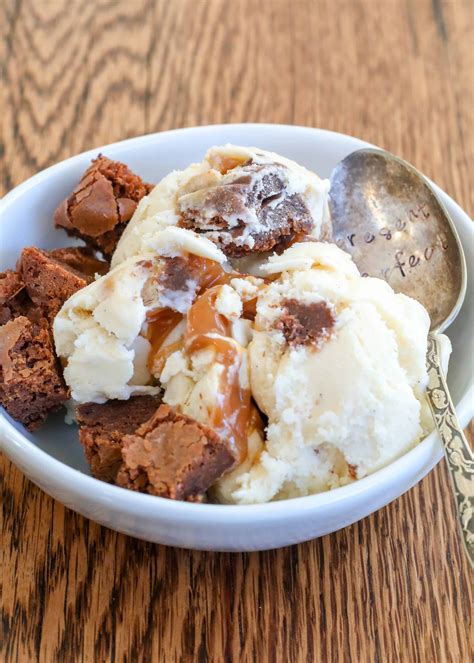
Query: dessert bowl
53,458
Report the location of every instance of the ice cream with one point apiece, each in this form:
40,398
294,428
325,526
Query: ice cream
310,375
243,199
337,364
101,331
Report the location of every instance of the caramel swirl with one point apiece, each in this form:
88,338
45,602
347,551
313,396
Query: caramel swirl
161,323
234,416
207,328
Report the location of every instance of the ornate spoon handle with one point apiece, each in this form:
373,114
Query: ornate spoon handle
459,456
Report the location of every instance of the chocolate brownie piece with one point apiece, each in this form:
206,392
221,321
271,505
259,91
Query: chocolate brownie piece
102,204
173,456
12,296
82,259
11,284
103,427
49,282
306,324
253,190
31,383
52,277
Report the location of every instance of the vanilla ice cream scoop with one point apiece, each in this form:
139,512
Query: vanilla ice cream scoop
243,199
337,364
101,331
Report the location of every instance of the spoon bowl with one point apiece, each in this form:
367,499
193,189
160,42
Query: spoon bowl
387,216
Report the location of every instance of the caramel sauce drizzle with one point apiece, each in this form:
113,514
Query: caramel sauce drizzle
235,416
206,328
226,163
161,323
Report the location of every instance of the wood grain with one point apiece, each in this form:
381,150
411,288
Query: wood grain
394,587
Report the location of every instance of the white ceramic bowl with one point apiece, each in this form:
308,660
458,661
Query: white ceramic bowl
53,459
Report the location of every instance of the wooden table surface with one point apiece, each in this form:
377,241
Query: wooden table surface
394,587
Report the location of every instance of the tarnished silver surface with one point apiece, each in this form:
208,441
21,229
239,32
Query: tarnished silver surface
388,217
459,456
385,213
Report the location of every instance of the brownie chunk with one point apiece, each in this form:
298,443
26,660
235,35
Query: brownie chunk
49,282
305,324
173,456
81,259
254,191
44,280
11,284
12,296
103,427
102,204
31,383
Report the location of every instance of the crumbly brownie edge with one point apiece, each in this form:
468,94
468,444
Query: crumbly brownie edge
31,382
173,456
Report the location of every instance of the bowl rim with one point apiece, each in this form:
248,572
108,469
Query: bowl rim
429,447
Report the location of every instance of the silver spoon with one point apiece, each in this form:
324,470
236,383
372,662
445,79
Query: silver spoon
387,216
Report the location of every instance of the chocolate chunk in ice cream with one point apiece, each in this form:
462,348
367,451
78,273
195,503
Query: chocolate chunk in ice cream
31,383
305,324
102,428
102,204
178,272
251,210
173,456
